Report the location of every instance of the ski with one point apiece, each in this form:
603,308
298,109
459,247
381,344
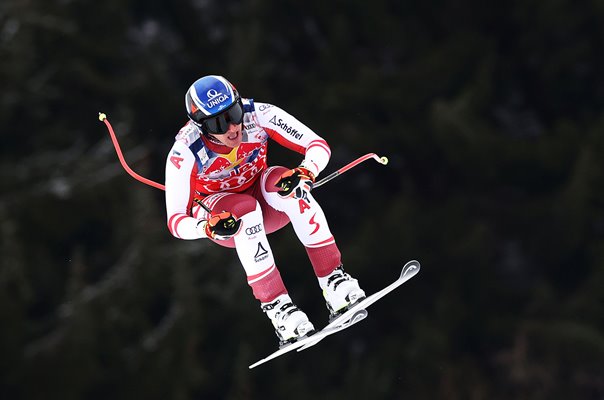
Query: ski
353,318
410,269
354,314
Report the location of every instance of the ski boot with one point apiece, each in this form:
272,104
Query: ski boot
341,291
289,321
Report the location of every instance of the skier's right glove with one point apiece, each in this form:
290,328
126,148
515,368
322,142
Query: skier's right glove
221,226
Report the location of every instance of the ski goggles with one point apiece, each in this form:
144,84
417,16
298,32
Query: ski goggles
219,124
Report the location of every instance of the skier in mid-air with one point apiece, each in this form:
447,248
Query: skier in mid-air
218,162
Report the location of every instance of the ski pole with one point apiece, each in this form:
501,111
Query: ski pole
381,160
118,150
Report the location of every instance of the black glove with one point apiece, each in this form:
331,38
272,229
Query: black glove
222,226
290,180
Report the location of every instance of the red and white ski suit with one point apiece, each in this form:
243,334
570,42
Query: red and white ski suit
238,180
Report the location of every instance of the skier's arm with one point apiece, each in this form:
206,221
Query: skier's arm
180,167
293,134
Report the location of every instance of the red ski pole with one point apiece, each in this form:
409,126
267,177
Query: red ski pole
118,150
381,160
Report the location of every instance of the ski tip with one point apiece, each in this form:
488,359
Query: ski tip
410,269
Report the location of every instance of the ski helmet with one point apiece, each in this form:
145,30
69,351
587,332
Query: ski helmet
213,103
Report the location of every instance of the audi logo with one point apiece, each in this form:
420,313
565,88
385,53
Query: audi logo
252,230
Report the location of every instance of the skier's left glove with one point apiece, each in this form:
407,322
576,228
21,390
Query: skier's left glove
221,226
294,178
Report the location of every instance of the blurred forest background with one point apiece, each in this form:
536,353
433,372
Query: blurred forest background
492,115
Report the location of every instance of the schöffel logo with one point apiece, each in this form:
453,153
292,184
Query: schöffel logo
283,125
215,98
252,230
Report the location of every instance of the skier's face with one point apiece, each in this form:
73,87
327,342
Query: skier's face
232,137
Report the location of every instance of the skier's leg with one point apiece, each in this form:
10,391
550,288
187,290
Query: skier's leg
258,262
309,223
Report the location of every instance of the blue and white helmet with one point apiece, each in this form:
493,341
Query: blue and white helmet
209,96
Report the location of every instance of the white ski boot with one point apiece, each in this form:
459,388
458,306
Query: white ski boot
289,321
340,291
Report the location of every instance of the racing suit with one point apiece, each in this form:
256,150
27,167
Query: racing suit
238,180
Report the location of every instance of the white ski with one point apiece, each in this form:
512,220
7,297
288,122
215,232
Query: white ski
410,269
353,318
350,317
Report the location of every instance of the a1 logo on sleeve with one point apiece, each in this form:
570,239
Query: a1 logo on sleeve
176,159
